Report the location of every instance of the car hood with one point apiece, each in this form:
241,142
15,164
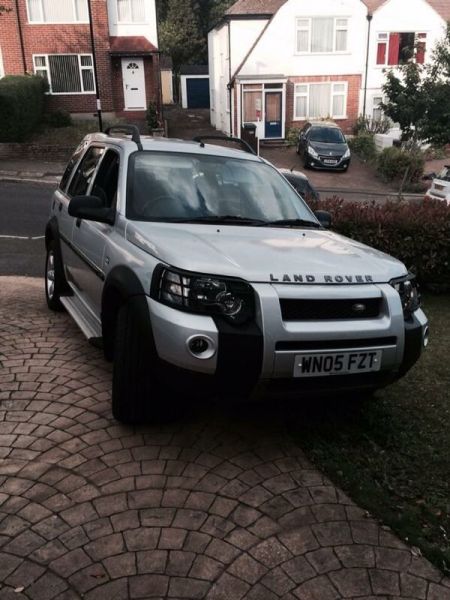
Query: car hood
264,254
329,149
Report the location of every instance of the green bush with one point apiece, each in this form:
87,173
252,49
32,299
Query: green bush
364,146
418,235
292,136
22,99
59,118
152,116
394,164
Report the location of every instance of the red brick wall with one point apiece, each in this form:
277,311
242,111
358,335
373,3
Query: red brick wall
354,86
55,39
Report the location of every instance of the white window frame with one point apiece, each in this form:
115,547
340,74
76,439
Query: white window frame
42,22
309,29
333,93
39,70
116,5
2,68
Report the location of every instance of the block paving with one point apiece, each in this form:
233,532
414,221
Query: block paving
218,505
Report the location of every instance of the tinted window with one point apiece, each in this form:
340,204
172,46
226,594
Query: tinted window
444,175
167,186
105,184
326,135
72,163
85,172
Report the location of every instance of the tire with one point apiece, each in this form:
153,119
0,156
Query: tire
54,277
298,149
137,391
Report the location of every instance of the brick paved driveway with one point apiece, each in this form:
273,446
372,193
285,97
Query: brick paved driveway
217,506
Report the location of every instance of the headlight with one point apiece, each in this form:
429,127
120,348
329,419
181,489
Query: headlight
204,294
347,153
408,289
312,152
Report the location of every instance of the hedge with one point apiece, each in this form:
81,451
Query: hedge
418,235
394,163
22,101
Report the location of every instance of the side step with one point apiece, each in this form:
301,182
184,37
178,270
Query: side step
82,317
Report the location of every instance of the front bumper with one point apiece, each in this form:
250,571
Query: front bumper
318,163
266,351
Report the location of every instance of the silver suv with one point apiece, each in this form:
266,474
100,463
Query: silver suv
198,268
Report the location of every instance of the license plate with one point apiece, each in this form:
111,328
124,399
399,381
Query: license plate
438,187
337,363
329,161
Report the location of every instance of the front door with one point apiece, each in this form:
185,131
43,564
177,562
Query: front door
134,84
273,118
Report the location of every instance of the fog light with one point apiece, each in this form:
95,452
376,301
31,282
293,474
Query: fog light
426,337
201,346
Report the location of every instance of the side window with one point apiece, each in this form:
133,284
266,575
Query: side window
71,165
106,181
86,169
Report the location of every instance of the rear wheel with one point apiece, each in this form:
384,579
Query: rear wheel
54,277
137,390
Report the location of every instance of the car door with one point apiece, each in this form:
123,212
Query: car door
90,238
60,206
79,186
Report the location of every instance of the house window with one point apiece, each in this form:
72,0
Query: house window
131,11
66,73
377,113
322,35
252,102
58,11
320,100
398,48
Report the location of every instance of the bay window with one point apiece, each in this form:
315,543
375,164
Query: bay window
57,11
322,35
320,100
66,73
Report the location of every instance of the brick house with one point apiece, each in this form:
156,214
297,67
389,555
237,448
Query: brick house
52,38
278,63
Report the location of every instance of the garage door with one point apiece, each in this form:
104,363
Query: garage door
198,92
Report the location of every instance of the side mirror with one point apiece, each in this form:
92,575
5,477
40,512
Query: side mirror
91,208
324,218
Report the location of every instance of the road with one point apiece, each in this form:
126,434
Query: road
24,210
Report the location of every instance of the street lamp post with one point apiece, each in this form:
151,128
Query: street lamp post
94,63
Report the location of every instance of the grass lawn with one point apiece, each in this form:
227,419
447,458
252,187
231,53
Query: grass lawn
392,453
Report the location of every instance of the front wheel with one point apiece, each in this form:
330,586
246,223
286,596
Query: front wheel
137,390
54,277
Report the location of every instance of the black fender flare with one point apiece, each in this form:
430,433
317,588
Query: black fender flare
121,285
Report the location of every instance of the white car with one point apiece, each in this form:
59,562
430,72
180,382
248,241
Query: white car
440,187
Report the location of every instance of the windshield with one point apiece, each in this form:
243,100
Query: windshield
326,135
444,175
182,187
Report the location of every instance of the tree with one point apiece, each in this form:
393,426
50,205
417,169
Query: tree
179,32
417,98
184,27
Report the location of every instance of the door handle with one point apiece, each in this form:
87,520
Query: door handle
78,223
60,207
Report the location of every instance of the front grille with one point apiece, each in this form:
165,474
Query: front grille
299,346
324,310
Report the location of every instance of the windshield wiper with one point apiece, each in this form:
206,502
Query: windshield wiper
292,223
217,219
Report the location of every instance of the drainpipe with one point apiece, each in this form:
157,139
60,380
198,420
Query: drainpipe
94,62
369,23
22,47
230,86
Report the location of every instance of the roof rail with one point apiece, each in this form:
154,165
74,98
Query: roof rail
128,130
245,146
